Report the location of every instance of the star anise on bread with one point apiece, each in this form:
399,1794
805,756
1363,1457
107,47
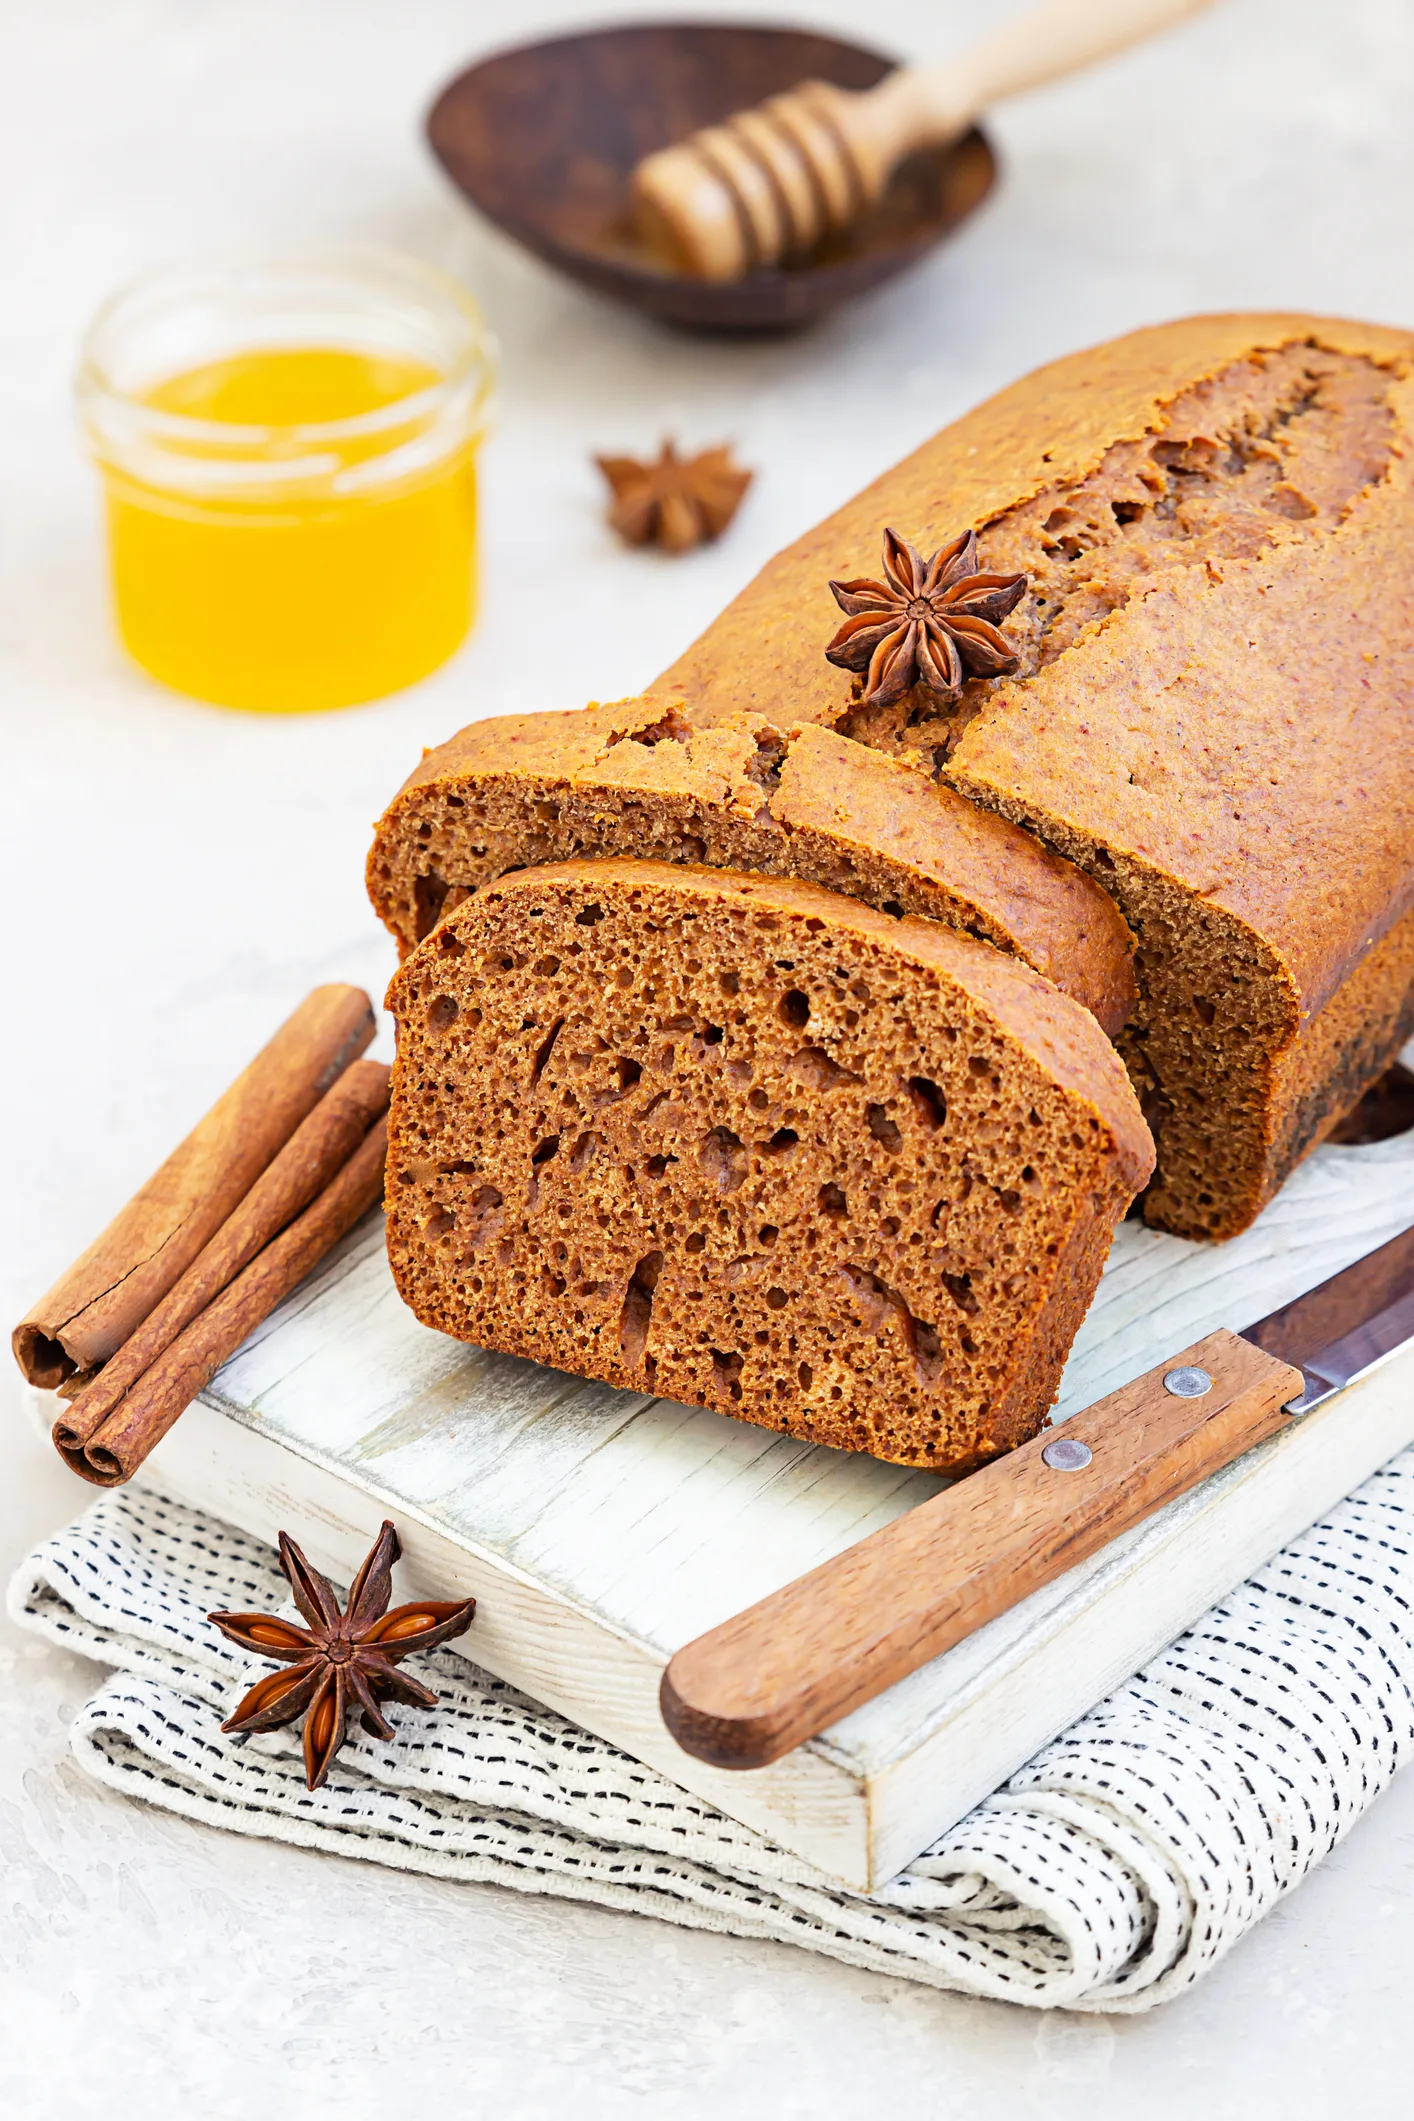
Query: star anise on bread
929,622
341,1661
676,502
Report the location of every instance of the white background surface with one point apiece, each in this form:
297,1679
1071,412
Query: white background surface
177,877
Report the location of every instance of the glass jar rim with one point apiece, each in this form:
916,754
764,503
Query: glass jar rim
469,372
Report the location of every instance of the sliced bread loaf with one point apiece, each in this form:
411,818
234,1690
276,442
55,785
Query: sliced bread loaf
752,1144
1211,713
635,779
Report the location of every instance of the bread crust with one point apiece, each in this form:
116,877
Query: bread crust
1230,750
634,777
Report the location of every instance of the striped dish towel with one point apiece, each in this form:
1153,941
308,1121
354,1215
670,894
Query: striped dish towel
1107,1875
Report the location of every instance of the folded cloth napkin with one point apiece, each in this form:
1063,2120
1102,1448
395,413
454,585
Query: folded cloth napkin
1107,1875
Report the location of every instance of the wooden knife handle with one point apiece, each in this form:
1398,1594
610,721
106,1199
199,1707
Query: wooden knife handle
781,1672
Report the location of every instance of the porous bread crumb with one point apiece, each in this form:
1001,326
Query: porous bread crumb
746,1143
635,779
1211,716
1211,721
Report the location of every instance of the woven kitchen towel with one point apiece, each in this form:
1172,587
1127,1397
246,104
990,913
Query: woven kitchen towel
1107,1875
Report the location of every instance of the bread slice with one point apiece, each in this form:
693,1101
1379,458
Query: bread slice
1212,711
744,1142
634,778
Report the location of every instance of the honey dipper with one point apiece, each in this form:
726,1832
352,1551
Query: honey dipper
767,185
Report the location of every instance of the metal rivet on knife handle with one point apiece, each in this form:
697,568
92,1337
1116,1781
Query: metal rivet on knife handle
1187,1382
1067,1454
805,1655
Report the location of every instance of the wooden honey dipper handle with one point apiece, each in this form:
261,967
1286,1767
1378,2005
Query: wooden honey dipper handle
770,182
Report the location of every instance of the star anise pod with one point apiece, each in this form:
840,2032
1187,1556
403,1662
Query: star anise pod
676,502
929,622
341,1660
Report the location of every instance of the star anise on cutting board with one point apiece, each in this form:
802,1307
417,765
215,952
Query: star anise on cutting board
929,622
676,502
341,1661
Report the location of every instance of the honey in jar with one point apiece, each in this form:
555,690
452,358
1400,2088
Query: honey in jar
292,517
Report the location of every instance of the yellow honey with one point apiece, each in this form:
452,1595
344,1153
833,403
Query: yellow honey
293,526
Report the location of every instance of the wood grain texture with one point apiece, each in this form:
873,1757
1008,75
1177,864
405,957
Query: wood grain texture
94,1307
769,183
553,1650
781,1672
858,1803
601,1531
544,139
665,1520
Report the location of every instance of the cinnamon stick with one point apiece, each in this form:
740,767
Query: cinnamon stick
98,1304
140,1421
317,1150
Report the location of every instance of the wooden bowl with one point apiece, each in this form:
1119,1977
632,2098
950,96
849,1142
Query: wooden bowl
543,139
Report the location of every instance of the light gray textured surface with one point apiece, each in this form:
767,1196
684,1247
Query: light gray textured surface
177,877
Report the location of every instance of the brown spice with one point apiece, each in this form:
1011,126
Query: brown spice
340,1660
929,622
309,1161
676,502
103,1298
147,1411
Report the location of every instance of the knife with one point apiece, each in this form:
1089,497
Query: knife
784,1670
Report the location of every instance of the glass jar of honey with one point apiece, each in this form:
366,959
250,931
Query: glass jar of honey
288,452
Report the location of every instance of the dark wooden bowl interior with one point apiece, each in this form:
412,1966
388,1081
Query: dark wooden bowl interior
542,139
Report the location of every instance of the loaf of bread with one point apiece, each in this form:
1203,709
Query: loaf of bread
756,1145
634,779
1213,713
806,1111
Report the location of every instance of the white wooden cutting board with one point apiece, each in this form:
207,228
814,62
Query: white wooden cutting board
600,1530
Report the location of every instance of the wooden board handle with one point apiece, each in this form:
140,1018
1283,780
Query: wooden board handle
781,1672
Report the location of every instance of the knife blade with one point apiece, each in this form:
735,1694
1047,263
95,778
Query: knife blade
785,1669
1346,1325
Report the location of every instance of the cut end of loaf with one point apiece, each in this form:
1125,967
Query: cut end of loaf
742,1142
636,779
